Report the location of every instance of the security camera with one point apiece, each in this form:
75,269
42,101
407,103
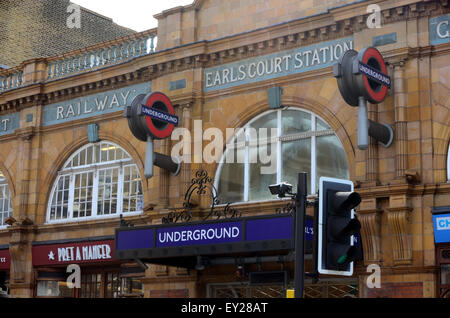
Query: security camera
281,189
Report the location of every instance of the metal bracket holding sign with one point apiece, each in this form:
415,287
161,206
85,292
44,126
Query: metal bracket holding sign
150,117
363,77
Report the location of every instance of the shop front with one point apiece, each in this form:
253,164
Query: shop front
101,276
5,262
441,221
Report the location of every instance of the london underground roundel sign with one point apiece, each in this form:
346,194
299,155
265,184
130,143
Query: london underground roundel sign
151,116
159,115
372,75
362,74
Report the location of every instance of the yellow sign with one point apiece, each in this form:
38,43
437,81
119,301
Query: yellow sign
290,293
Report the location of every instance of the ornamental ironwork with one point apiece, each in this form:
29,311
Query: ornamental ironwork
201,185
288,208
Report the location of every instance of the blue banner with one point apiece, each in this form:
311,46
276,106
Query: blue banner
156,114
209,233
276,65
9,123
441,224
440,30
93,105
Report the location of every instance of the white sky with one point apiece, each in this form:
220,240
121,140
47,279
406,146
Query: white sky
134,14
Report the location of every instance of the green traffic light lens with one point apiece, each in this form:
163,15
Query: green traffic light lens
342,259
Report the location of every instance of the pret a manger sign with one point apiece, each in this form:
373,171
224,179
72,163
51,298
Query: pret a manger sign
86,252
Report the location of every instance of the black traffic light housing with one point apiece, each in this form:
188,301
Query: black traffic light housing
337,225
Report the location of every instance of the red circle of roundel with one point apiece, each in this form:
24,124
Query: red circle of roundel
381,94
160,97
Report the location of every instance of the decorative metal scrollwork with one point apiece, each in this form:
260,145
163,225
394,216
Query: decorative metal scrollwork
202,185
288,208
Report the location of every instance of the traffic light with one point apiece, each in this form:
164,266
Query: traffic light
337,225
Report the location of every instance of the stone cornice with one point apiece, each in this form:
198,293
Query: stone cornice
385,191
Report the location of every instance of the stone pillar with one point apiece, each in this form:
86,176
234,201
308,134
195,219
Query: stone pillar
21,273
401,129
21,230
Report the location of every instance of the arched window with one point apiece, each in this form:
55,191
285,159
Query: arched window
298,141
100,180
5,201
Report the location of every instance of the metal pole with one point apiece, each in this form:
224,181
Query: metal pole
363,124
149,158
300,211
315,243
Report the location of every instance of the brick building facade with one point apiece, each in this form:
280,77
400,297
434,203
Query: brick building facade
34,29
65,145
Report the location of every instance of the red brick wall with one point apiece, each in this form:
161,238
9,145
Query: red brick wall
397,290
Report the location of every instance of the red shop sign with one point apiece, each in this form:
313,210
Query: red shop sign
73,253
5,259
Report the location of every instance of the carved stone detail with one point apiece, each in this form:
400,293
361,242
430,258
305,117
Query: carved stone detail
371,235
399,223
370,218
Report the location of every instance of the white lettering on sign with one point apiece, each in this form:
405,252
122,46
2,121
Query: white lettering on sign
2,259
87,106
197,235
85,253
4,124
443,223
440,30
271,65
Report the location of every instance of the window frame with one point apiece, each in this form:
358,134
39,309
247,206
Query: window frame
5,186
448,163
94,168
280,139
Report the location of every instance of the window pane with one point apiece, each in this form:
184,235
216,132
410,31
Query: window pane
96,153
321,125
330,159
267,121
445,274
294,121
60,199
47,289
132,190
230,187
107,191
263,171
89,158
296,158
83,158
83,194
